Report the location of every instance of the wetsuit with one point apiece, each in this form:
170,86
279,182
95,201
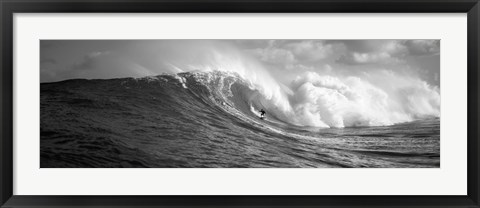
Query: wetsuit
262,113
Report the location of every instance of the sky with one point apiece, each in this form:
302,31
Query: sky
283,59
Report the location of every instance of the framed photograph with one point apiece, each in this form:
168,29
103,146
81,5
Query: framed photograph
268,103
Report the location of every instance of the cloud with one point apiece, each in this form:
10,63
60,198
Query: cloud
90,60
273,55
387,51
310,50
394,48
376,52
299,67
290,54
384,52
423,47
355,58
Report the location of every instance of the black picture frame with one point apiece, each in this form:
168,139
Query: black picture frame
10,7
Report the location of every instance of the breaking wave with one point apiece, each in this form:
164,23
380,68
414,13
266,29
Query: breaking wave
326,101
210,119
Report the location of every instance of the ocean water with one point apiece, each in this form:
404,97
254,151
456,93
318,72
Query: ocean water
209,120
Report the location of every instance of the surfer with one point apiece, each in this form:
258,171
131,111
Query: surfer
262,113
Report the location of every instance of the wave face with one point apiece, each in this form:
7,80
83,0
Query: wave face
210,119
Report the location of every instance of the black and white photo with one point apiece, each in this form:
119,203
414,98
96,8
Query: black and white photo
240,103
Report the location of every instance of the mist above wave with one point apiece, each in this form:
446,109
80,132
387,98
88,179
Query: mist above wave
329,101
